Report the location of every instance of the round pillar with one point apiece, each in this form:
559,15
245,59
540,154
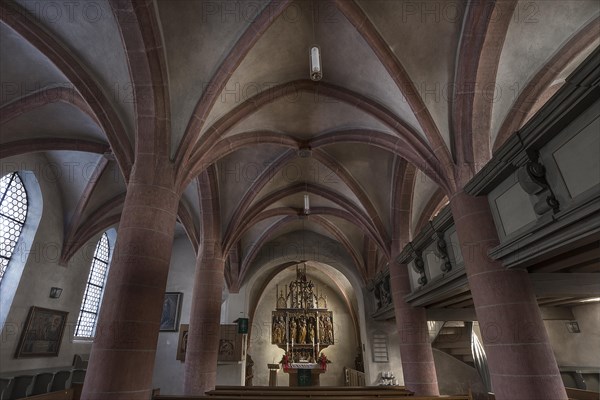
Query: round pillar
205,321
418,366
521,361
122,358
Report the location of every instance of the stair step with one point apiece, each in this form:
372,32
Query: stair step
454,324
468,359
460,351
451,345
451,331
452,338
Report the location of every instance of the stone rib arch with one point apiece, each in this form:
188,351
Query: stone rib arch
148,74
380,237
535,88
273,169
364,136
16,18
234,58
413,144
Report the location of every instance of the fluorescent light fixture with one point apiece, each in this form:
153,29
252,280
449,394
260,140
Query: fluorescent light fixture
306,205
315,64
590,300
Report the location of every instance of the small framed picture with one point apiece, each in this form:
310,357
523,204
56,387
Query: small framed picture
182,343
573,327
169,322
42,333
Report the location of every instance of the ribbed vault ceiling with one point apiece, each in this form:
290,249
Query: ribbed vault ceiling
401,108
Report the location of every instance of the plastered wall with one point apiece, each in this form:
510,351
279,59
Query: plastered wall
39,253
168,372
577,349
342,353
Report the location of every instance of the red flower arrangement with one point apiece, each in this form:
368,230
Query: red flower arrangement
323,360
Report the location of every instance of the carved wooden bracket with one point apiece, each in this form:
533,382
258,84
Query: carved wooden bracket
532,178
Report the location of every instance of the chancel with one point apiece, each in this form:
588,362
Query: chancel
302,326
283,199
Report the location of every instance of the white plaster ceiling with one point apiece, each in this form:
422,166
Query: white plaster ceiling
546,27
29,70
88,28
199,36
425,187
425,40
303,116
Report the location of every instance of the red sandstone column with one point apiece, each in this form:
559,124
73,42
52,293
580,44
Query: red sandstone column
521,362
418,366
205,321
122,358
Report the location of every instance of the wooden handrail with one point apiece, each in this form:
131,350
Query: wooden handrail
572,393
578,394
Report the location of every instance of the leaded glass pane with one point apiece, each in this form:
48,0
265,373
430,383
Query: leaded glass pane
90,306
13,212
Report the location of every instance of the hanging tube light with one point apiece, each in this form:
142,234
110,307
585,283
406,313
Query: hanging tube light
306,205
315,64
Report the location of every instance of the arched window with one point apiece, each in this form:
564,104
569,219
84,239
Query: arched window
90,306
13,211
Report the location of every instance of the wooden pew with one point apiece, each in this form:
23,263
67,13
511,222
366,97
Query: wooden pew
321,388
312,392
58,395
320,397
283,397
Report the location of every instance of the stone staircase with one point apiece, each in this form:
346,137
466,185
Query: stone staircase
454,338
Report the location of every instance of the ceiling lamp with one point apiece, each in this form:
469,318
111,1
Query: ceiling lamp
314,54
316,72
306,205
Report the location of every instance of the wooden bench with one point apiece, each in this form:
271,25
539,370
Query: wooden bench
321,397
313,392
283,397
320,388
58,395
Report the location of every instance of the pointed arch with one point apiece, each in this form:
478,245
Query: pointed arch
234,58
18,20
543,79
413,146
140,33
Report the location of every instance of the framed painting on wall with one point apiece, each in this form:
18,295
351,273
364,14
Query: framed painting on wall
42,333
169,322
231,344
182,343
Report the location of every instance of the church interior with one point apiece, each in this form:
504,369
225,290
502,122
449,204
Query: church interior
300,199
